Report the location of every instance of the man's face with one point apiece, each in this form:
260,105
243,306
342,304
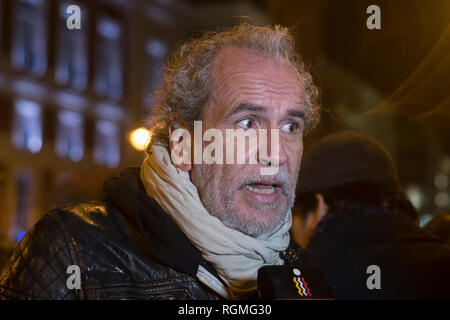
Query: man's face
252,91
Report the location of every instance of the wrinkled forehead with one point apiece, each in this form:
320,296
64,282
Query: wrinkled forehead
238,71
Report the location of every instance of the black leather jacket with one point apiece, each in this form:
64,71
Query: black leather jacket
126,247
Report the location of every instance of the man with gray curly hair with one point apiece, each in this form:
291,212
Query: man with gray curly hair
190,228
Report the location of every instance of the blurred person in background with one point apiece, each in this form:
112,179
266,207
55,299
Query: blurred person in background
186,231
352,217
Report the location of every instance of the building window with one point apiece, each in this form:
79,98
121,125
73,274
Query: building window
109,60
29,49
107,143
24,205
156,56
27,126
69,142
72,62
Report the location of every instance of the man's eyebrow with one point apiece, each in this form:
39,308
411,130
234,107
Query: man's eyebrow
296,113
247,107
257,108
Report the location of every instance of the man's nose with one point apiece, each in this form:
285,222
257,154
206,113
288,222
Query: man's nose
272,151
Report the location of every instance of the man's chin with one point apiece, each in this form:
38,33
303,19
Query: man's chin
260,218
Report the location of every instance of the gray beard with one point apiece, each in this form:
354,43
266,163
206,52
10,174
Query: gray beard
230,216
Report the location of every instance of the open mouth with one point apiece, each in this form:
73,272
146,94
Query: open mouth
262,188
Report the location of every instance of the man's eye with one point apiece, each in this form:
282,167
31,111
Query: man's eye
290,127
246,123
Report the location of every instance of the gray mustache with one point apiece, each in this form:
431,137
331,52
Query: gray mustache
281,179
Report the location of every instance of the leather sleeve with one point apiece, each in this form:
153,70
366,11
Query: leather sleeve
37,267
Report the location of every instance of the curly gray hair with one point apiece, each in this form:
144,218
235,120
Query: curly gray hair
187,79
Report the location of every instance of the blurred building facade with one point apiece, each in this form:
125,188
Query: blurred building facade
70,96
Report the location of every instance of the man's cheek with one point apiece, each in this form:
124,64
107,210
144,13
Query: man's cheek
294,160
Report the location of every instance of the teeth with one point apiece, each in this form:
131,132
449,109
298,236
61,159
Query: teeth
264,191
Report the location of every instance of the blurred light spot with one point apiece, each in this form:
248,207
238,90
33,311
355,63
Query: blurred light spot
441,200
441,181
20,235
27,126
27,108
140,138
106,127
415,196
156,48
109,28
70,118
446,165
424,219
34,144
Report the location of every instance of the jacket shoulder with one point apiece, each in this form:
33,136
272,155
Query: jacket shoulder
95,214
37,267
107,246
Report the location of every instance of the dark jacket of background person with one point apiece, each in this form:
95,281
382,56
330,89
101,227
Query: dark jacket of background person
127,247
413,264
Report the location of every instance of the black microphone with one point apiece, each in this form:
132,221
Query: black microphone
293,282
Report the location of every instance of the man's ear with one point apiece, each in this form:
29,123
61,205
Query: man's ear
321,209
182,166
